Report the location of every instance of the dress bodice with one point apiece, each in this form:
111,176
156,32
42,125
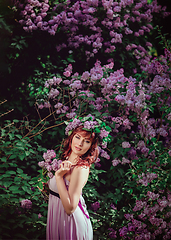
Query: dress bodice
53,186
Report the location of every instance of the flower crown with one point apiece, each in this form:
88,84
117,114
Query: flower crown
90,124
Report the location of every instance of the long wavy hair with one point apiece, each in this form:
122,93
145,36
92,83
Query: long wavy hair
90,156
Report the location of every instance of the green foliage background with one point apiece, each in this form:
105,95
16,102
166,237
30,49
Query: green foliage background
26,61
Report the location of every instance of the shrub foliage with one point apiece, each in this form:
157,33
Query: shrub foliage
99,60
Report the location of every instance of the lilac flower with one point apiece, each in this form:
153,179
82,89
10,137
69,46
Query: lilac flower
162,202
47,105
72,125
26,204
126,122
95,206
88,125
71,115
104,154
126,145
145,179
132,153
123,231
55,164
104,145
39,215
49,155
41,164
128,216
104,133
97,164
50,174
124,160
40,106
139,205
155,221
53,93
115,162
49,168
152,195
85,76
145,151
131,227
112,233
113,206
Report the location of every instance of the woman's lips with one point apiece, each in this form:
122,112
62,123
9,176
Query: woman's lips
78,149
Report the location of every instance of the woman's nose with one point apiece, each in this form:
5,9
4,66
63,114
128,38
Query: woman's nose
80,142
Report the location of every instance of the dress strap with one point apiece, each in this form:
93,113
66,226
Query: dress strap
82,209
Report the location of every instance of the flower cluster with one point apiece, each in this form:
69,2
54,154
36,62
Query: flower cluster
51,164
95,206
91,124
146,178
73,18
116,161
148,210
26,204
112,233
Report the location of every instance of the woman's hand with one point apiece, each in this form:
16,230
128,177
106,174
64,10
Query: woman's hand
65,167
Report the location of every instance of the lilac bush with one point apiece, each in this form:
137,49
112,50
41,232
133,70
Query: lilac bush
141,132
129,186
93,27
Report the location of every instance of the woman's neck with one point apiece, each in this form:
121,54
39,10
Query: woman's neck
73,158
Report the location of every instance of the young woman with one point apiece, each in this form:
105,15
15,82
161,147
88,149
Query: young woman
68,218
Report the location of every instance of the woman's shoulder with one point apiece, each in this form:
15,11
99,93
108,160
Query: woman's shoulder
79,176
81,168
80,171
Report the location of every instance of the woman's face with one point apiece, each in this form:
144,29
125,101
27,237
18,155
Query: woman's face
80,144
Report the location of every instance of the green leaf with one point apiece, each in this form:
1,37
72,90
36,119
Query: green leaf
18,136
22,157
11,172
3,159
19,170
7,183
103,181
13,188
13,156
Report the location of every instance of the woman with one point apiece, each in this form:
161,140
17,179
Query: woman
68,218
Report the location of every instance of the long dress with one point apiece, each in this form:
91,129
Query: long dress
60,225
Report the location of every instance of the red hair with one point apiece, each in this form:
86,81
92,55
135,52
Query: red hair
90,156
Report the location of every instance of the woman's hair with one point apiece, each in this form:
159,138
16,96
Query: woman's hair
90,156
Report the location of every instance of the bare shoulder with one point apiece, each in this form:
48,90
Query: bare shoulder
80,174
81,170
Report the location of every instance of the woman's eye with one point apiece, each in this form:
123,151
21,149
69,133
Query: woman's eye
77,137
87,141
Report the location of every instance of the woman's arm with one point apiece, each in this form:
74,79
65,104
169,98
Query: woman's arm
70,197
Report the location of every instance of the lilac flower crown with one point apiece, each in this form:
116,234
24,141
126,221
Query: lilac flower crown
90,124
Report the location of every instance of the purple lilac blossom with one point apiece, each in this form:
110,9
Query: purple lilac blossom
50,174
144,179
26,203
126,145
39,215
112,233
95,206
72,125
115,162
123,231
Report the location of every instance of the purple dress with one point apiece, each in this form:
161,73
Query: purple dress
60,225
